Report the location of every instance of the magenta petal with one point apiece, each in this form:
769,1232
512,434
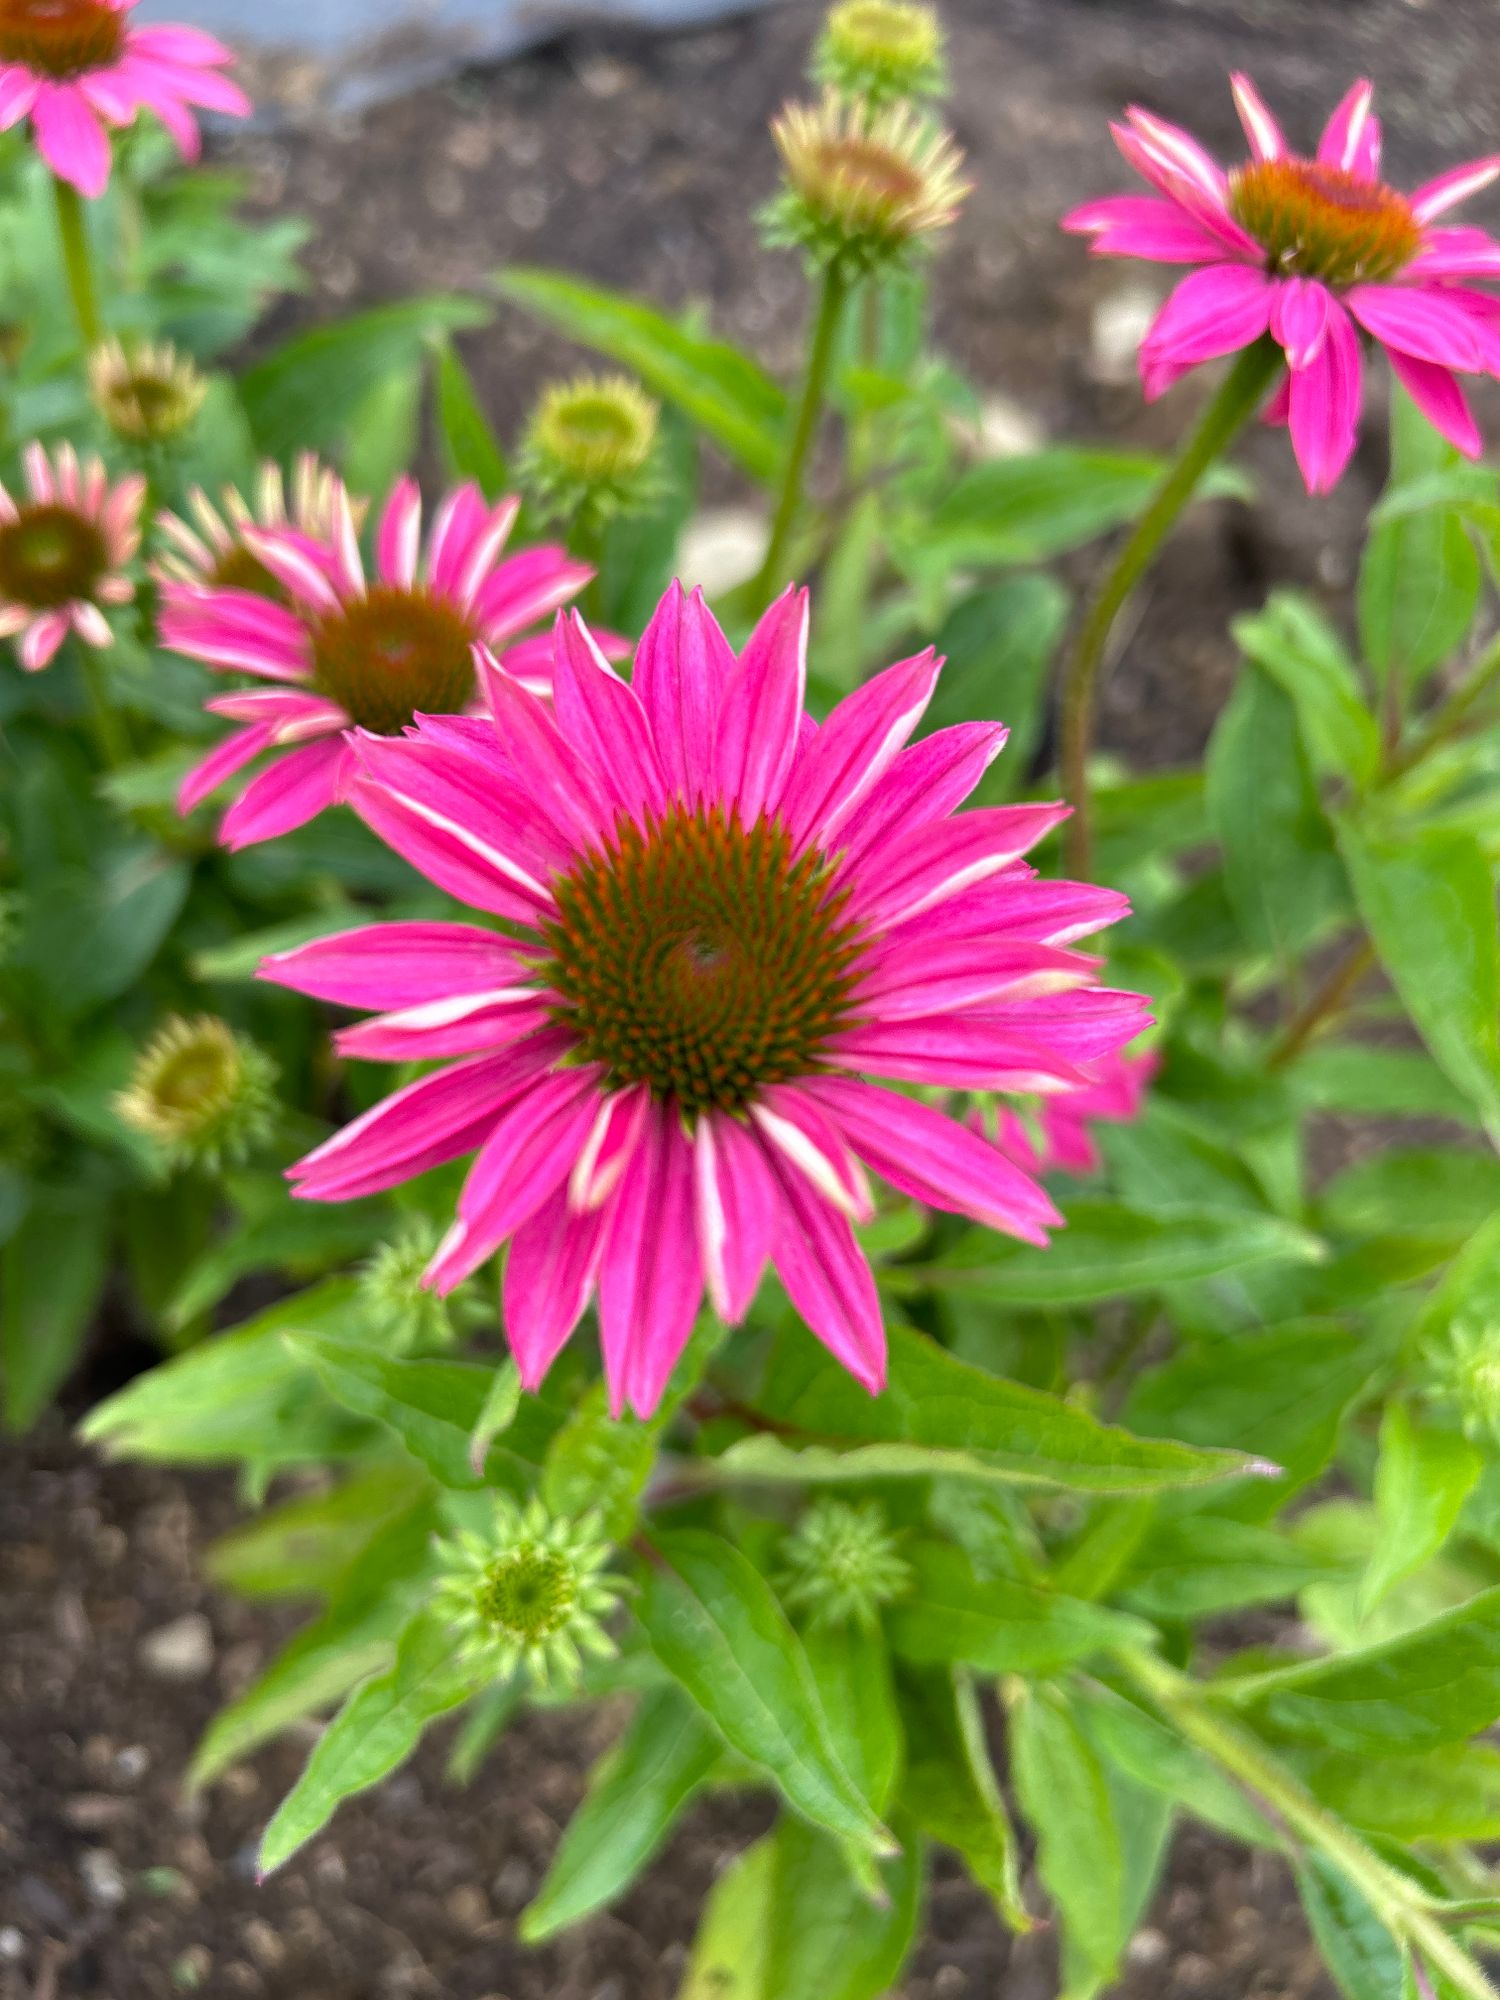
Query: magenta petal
1351,138
550,773
603,720
609,1146
899,880
1017,905
1081,1026
955,1052
927,780
523,589
445,860
549,1280
760,711
460,1024
1435,197
855,747
1440,399
1456,253
396,965
232,755
1261,129
651,1274
525,1157
288,793
70,138
427,1122
399,543
1211,312
1144,225
1299,319
1178,152
926,976
795,1128
1323,406
1423,323
935,1160
682,667
737,1199
828,1280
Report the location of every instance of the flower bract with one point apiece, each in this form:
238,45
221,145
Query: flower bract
529,1597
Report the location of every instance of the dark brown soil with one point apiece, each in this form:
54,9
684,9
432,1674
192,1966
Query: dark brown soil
114,1886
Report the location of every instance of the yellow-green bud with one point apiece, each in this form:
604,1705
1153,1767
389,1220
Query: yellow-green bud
202,1092
531,1597
149,396
1466,1376
882,51
841,1564
590,447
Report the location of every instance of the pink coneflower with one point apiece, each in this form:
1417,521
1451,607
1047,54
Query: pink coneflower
723,920
77,66
63,552
1060,1140
347,652
209,549
1309,251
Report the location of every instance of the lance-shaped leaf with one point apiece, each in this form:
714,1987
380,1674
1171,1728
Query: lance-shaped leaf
1422,1479
1080,1856
949,1787
997,1623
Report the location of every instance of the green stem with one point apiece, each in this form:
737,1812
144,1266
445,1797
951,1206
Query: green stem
73,234
1403,1904
108,725
1236,401
809,409
1448,721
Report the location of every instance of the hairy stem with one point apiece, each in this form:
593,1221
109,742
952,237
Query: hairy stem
1322,1005
72,233
110,737
804,429
1236,401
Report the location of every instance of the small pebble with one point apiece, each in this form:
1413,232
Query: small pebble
132,1764
181,1651
1147,1948
1118,325
721,547
102,1877
12,1945
262,1943
191,1969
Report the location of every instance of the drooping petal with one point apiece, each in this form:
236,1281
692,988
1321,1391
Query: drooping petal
383,966
1299,319
828,1279
1456,253
1440,399
1017,905
1436,197
604,721
682,667
936,1160
435,851
1421,322
926,976
855,747
1323,404
737,1198
1261,129
298,786
761,710
1211,312
70,138
1201,194
37,646
1351,138
1144,225
233,754
549,1280
651,1273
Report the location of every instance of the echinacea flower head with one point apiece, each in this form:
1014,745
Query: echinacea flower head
77,67
862,189
842,1564
1312,253
204,1093
209,550
589,447
532,1596
149,395
881,51
722,922
64,548
1059,1138
349,650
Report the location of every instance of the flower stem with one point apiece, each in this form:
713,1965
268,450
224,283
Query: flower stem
1450,719
809,408
73,235
1325,1004
105,719
1238,397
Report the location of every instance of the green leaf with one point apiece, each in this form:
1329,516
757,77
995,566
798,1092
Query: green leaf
1422,1479
852,1670
935,1401
496,1414
999,644
1444,1795
486,1720
1445,1194
1470,1291
724,392
1197,1565
826,1936
601,1463
1420,578
52,1272
1041,504
949,1787
470,448
1436,1684
996,1623
728,1960
1429,903
307,393
303,1547
376,1729
1151,1754
1292,642
1280,868
383,430
1377,1082
634,1797
432,1406
716,1626
1062,1791
1359,1950
1110,1251
87,934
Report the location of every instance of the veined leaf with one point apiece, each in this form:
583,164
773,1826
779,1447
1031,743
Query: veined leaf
996,1623
1356,1944
1442,1795
52,1271
1080,1857
1292,642
1422,1479
825,1934
949,1787
470,448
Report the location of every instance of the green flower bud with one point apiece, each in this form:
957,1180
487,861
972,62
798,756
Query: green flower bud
399,1306
841,1564
202,1092
882,51
590,448
531,1597
1466,1376
863,188
147,397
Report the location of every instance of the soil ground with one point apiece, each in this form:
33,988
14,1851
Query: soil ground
638,162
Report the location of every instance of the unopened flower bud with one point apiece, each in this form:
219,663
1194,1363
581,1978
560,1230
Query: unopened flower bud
863,188
149,396
1466,1376
531,1596
841,1564
202,1092
590,448
883,51
398,1306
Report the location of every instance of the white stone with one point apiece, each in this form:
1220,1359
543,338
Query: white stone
181,1651
1116,329
722,547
